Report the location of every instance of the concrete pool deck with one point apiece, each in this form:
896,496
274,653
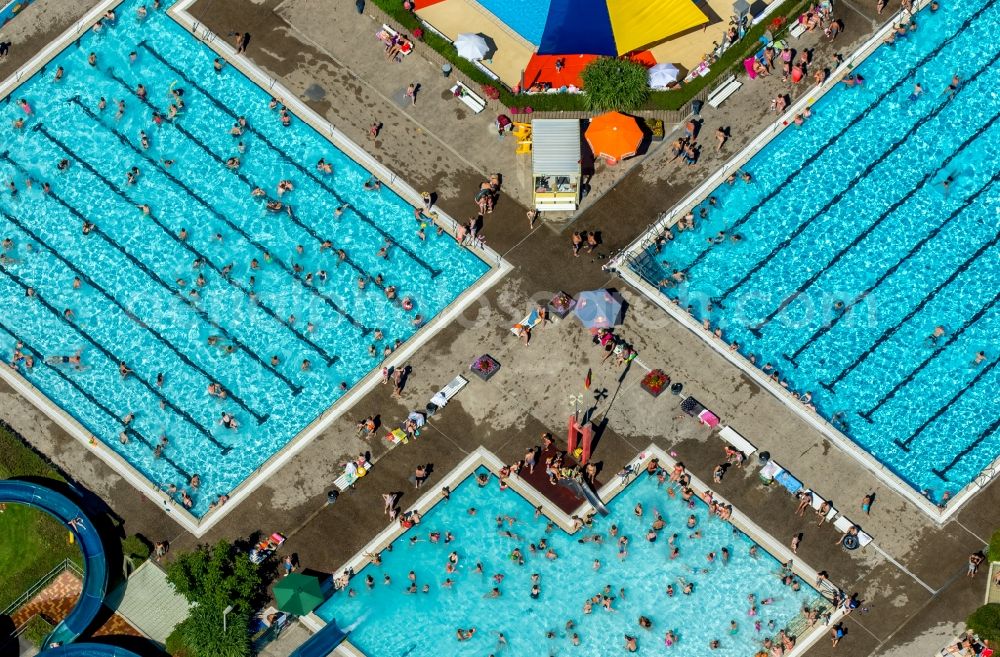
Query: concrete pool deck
915,606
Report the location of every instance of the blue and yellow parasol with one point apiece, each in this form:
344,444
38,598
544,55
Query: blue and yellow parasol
615,27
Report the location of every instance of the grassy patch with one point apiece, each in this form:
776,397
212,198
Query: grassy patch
36,630
31,542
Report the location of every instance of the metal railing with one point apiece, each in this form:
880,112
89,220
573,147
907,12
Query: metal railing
43,581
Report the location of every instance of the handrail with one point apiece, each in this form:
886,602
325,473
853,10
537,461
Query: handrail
43,581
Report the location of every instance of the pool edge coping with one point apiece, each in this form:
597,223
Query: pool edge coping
482,456
498,267
620,265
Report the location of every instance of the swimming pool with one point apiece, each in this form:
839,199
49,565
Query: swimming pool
853,249
526,17
208,286
380,618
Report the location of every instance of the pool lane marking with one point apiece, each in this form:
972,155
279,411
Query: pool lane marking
823,330
756,330
114,359
93,400
909,377
116,189
983,435
889,332
386,235
329,358
836,198
125,311
853,122
905,444
365,330
246,181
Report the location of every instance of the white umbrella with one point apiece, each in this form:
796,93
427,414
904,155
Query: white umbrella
661,75
471,46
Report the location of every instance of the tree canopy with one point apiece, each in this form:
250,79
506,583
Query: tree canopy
212,578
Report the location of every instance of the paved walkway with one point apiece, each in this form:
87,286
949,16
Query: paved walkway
914,587
56,600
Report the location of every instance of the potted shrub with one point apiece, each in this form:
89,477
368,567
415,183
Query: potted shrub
561,305
655,128
485,367
655,382
491,92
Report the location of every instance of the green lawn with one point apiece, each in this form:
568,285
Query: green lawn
31,542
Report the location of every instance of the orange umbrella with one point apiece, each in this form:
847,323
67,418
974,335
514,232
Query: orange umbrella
614,136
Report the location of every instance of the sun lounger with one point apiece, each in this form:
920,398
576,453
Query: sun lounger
530,322
348,479
265,548
444,395
738,442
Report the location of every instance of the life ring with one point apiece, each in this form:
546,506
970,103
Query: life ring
851,542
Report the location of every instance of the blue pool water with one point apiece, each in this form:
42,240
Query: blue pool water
854,250
526,17
135,301
381,619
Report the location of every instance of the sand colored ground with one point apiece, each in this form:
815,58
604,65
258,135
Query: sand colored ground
453,17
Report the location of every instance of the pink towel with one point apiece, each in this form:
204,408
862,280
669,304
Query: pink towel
708,417
748,64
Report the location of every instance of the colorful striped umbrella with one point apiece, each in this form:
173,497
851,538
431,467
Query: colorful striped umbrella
614,27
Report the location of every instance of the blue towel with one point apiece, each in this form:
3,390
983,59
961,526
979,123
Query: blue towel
786,479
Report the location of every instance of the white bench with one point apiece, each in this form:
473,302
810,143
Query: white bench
740,443
796,30
347,480
444,395
724,91
843,524
467,96
817,504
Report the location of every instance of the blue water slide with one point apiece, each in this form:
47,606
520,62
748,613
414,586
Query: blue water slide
322,643
95,570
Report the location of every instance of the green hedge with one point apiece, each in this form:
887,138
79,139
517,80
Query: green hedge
994,551
732,59
985,622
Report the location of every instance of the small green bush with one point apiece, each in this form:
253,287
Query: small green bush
994,551
613,83
985,622
36,629
136,548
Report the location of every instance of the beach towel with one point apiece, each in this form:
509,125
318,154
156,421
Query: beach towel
529,322
748,65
